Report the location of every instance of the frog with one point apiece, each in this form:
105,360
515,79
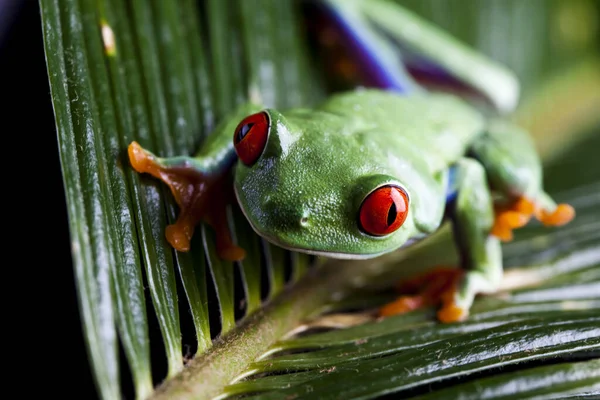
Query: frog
370,171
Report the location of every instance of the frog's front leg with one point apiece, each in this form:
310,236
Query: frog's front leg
201,184
473,217
481,256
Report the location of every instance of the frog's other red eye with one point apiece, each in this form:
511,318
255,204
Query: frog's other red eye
250,137
383,211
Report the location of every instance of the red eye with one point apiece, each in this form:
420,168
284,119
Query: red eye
251,136
383,211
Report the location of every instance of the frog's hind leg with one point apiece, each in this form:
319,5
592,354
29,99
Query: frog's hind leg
373,58
199,193
515,174
426,290
473,217
438,54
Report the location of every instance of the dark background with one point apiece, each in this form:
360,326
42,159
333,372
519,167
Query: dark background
48,348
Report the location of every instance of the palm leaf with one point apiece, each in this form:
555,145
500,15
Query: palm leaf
163,73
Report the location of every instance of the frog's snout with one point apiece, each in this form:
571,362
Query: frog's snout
285,216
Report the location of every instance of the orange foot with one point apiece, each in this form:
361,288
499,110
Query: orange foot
433,287
520,212
199,197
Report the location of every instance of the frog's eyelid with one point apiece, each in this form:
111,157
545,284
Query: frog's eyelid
405,192
392,183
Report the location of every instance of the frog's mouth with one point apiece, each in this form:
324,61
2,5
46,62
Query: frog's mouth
314,252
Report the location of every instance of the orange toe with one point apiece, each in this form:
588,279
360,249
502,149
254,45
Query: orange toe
514,219
231,253
506,221
524,206
137,156
179,236
402,305
562,215
452,313
143,161
502,232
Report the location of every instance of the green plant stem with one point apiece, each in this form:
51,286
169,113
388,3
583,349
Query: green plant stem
206,375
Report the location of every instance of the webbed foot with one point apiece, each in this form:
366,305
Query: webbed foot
200,196
432,288
518,213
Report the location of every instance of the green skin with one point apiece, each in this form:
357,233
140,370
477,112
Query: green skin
319,164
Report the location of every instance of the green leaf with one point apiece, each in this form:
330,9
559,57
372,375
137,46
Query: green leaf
131,315
151,219
222,274
193,273
87,188
462,355
251,265
564,380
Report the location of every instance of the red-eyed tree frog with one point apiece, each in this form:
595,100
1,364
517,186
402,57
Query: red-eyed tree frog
369,171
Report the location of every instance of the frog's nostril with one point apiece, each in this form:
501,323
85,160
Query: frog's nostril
284,215
304,219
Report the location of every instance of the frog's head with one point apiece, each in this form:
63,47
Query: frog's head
307,191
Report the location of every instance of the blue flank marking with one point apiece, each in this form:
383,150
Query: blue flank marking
376,57
451,187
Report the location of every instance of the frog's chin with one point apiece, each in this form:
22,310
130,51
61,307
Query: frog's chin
330,254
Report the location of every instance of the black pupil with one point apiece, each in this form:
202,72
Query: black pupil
244,130
392,214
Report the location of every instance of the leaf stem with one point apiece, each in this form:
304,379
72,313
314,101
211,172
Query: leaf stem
206,375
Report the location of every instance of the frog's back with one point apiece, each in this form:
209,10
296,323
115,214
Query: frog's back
438,127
